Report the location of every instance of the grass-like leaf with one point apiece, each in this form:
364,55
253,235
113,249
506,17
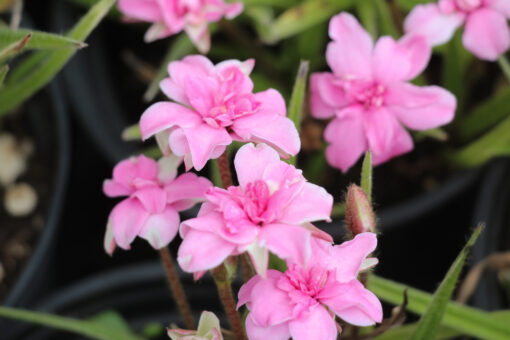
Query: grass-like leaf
38,40
105,326
3,72
429,323
366,175
14,93
295,109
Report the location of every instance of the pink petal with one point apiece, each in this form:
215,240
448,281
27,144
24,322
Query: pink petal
145,10
174,91
251,161
201,250
313,203
418,53
109,240
178,143
276,332
350,53
233,10
157,31
288,242
429,21
112,188
353,303
245,293
245,66
421,108
347,138
259,258
206,221
186,190
199,35
326,96
486,34
160,229
127,218
266,290
164,115
129,172
202,141
315,324
501,6
167,168
271,101
275,130
349,256
387,139
153,199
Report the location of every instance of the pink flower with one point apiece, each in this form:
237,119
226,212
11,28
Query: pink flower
369,96
172,16
216,105
486,33
155,198
270,210
304,300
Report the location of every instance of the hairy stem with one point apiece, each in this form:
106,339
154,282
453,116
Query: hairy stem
246,267
176,288
222,281
224,166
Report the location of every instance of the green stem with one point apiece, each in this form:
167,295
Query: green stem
505,66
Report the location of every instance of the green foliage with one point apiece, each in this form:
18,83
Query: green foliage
40,68
295,110
366,175
38,40
430,321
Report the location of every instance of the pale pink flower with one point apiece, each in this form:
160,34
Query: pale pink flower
303,301
270,210
156,196
369,96
172,16
486,33
208,329
216,105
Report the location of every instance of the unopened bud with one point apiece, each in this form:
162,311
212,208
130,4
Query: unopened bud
359,215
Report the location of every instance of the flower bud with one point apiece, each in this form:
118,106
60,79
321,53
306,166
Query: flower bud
359,215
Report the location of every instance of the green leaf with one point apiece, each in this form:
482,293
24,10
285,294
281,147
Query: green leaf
408,5
366,175
273,3
297,99
494,143
463,319
444,332
105,326
430,321
456,61
3,72
368,16
14,47
14,93
132,133
436,134
182,46
505,66
386,22
303,16
485,116
38,40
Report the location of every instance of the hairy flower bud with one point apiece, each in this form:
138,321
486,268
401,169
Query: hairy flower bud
359,215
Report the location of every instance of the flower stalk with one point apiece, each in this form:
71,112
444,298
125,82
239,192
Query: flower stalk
224,166
505,66
176,288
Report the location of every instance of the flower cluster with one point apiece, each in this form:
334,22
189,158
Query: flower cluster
172,16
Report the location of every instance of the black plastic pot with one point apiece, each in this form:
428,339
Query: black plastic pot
138,292
37,276
493,203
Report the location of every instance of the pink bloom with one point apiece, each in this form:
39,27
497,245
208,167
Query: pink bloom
369,96
304,300
172,16
208,329
216,105
155,198
486,33
271,209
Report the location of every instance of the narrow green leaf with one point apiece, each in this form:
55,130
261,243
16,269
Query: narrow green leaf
273,3
494,143
386,22
3,72
295,110
436,134
38,40
463,319
408,5
444,332
182,46
430,321
368,16
484,116
505,66
303,16
15,47
366,175
14,93
132,133
95,329
456,61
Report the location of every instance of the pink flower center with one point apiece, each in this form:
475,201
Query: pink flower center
371,97
254,200
230,102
